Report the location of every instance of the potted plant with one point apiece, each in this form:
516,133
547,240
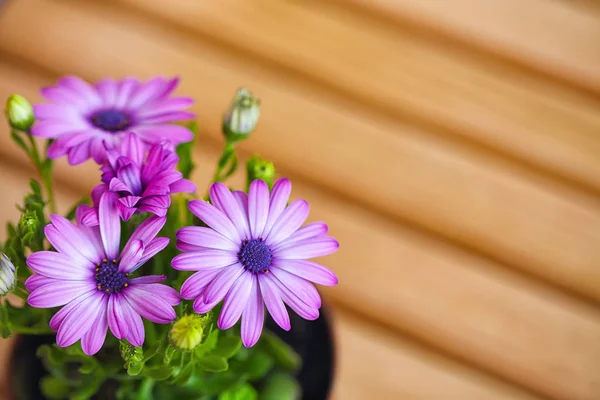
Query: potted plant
152,287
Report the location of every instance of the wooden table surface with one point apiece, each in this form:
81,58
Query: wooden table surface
452,145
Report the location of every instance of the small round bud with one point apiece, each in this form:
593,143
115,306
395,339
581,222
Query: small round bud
257,168
19,112
7,275
242,116
186,332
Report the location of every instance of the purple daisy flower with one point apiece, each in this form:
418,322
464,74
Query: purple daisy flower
89,277
84,118
254,252
140,184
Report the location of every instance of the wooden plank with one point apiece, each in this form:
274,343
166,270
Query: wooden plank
396,366
471,197
457,302
557,37
474,99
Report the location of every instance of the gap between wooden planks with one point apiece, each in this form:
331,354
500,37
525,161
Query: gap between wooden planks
559,38
458,303
406,74
396,367
473,198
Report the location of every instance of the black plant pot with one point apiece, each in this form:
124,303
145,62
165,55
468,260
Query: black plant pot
312,340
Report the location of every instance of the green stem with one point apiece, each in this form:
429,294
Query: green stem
45,173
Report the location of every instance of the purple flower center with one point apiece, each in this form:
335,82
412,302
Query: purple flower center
111,120
108,277
255,255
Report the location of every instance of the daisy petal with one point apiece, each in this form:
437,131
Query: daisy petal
59,317
165,292
73,235
207,259
308,248
201,307
219,287
288,222
115,317
236,300
273,302
94,338
80,319
57,265
58,293
151,307
221,197
258,207
315,229
280,195
195,284
135,330
131,255
253,316
215,218
205,237
148,229
148,279
308,270
300,287
37,280
110,225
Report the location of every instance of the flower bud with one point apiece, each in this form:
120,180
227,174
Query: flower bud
186,332
242,116
19,112
7,275
257,168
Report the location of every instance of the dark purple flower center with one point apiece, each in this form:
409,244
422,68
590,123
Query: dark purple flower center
108,277
255,255
111,120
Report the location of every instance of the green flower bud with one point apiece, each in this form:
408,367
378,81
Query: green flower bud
7,275
242,116
19,112
257,168
186,332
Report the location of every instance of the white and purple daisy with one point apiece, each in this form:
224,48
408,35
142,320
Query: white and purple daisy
140,184
254,254
91,279
86,119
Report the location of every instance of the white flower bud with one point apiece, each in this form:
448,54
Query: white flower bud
7,275
242,116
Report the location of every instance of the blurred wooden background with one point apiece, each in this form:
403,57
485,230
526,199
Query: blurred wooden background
452,145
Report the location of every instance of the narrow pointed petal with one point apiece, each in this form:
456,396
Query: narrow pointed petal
299,286
219,287
73,235
300,307
308,248
214,218
135,329
149,306
182,186
289,221
59,317
316,229
165,292
116,318
94,338
132,254
110,225
205,237
280,195
148,279
208,259
80,320
57,265
253,317
221,197
273,301
242,199
236,300
201,307
37,280
308,270
155,246
258,207
148,229
195,284
58,293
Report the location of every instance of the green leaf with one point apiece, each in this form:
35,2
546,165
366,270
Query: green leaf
35,187
54,388
256,366
283,353
145,391
227,347
241,392
159,373
19,141
280,387
213,363
4,323
209,344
